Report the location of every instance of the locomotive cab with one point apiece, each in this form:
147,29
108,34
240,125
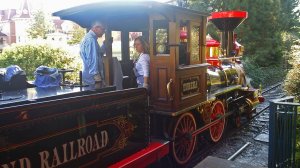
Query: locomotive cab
175,84
178,67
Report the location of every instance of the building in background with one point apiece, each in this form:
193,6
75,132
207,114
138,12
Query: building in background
61,31
3,41
15,22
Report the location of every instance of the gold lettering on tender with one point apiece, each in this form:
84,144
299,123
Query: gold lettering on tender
96,145
194,85
65,153
185,87
23,162
81,151
72,151
89,144
55,161
104,138
83,146
44,155
13,163
189,86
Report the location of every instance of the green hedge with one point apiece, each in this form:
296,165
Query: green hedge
264,76
30,56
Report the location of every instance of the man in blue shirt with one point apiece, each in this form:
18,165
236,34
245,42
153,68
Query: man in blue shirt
91,55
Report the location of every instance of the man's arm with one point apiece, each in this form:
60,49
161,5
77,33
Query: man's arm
106,43
92,57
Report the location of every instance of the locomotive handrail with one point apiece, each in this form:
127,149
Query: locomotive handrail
227,58
169,89
181,67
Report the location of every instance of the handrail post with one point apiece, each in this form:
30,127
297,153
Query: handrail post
272,154
282,133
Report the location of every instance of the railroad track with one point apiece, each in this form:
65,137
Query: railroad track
268,95
205,146
271,88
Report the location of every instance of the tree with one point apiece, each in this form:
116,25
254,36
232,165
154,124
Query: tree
31,56
260,33
290,24
290,16
39,27
268,33
77,35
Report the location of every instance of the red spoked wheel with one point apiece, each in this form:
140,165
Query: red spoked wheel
184,143
216,131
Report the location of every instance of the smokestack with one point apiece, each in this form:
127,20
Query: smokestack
226,22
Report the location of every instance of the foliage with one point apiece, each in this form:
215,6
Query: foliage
267,34
213,31
77,35
39,27
290,16
29,57
298,141
292,82
264,76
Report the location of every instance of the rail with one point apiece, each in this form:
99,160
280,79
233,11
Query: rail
239,151
272,87
264,92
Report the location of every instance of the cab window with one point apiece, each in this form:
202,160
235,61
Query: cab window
189,47
161,37
194,43
117,45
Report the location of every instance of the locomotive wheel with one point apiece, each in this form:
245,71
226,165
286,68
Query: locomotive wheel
250,114
184,143
237,121
216,131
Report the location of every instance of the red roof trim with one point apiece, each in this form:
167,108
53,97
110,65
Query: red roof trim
229,14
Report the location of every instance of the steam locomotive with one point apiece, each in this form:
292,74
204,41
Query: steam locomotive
86,126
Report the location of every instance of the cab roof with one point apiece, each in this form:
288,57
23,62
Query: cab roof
84,15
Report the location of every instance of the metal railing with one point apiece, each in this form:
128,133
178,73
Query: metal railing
284,114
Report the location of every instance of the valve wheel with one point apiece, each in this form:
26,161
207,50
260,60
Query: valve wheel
216,131
184,143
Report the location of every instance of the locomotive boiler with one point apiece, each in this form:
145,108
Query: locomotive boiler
225,69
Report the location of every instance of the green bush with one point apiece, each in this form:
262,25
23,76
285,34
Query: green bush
292,81
264,76
292,86
298,141
30,56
